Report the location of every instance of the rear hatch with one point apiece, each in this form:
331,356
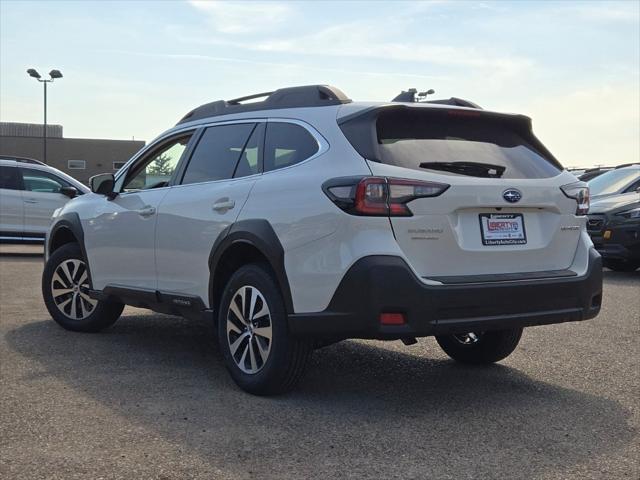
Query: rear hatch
504,211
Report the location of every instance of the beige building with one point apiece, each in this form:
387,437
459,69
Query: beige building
79,157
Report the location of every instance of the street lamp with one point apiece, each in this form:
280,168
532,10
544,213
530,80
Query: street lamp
53,74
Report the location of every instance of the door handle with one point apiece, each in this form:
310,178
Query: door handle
146,211
30,200
224,205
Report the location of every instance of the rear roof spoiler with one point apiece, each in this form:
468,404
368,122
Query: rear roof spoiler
360,127
412,96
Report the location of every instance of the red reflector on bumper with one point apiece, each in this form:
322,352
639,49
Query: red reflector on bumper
392,319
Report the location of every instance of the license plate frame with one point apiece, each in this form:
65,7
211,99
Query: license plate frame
513,233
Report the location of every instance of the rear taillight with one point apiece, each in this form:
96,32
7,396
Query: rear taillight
579,191
379,196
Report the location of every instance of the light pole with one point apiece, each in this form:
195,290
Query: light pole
53,74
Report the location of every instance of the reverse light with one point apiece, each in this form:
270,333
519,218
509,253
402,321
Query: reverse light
379,196
633,213
579,191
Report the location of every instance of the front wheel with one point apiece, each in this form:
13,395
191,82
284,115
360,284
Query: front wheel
261,355
65,287
480,347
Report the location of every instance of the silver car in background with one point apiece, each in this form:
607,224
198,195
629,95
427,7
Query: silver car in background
30,191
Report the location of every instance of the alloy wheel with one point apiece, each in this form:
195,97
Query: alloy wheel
69,288
249,329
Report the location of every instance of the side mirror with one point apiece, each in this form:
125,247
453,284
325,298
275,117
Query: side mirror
103,184
70,192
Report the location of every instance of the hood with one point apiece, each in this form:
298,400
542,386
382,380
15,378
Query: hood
613,202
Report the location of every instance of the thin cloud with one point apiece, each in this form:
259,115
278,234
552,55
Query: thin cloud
298,66
243,17
362,39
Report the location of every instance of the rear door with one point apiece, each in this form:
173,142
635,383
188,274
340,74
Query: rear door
11,203
504,211
210,193
41,197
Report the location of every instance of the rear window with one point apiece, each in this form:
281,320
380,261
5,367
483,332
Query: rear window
459,143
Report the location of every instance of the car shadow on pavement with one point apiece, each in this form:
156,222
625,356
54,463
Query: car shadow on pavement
362,407
615,278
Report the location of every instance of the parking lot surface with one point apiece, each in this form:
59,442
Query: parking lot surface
149,398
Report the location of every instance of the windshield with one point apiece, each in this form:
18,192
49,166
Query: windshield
470,145
612,181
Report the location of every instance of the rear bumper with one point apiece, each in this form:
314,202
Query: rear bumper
378,284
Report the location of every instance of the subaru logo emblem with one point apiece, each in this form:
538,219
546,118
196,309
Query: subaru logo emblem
512,195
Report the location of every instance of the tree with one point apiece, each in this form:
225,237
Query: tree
162,165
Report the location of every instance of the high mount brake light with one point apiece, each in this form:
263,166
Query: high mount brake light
379,196
579,191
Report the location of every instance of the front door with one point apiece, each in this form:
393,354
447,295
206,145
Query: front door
121,235
41,197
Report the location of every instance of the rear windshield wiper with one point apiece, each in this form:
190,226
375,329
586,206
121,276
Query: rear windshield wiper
472,169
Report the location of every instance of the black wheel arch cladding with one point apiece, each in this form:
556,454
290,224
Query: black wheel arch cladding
70,221
259,234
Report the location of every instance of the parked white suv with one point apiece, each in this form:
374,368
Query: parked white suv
305,219
30,191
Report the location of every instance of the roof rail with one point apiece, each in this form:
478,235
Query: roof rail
291,97
22,159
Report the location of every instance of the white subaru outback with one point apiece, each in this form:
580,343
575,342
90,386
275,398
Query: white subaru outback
306,218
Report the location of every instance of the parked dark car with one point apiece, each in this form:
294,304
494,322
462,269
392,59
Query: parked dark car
592,173
614,226
623,179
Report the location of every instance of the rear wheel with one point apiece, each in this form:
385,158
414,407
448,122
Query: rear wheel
480,347
65,287
621,265
261,355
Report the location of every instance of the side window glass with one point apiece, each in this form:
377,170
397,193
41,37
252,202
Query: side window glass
251,158
157,169
287,144
41,182
10,178
633,187
217,153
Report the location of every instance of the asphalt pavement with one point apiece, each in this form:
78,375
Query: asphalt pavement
149,398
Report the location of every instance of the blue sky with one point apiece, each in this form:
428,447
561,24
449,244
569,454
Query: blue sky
132,69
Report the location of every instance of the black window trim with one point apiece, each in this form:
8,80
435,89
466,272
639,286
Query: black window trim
323,144
261,140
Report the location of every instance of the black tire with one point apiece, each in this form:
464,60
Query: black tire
622,265
287,356
489,347
87,315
